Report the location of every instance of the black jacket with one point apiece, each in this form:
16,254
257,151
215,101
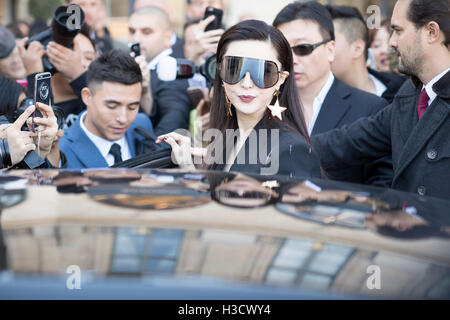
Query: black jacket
420,149
276,151
178,49
171,105
344,105
392,82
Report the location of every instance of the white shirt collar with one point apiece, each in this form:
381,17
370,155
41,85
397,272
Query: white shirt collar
104,145
429,87
152,64
318,101
380,87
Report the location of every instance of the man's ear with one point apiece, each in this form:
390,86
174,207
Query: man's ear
331,50
433,32
358,48
86,96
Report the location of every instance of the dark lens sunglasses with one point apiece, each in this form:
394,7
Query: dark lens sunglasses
306,49
264,73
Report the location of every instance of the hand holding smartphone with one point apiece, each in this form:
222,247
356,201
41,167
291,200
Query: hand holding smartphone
135,48
42,93
217,22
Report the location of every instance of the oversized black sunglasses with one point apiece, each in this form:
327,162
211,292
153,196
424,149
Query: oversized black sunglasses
264,73
306,49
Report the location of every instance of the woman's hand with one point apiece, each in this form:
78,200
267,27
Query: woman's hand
54,156
181,149
144,70
50,129
68,62
32,57
147,98
20,142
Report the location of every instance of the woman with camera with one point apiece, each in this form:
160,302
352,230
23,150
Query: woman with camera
254,95
18,147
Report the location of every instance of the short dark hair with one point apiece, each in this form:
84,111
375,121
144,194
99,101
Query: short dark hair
310,10
114,66
421,12
352,24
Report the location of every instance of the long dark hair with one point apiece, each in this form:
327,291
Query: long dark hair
293,118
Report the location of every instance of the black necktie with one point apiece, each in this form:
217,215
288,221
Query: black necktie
115,151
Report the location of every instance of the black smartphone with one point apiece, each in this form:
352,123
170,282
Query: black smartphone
136,48
217,23
42,92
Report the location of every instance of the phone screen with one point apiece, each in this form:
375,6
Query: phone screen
42,91
217,23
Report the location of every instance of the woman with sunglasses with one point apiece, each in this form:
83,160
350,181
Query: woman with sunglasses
254,95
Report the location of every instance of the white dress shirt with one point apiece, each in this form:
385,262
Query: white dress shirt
152,64
318,101
429,87
104,145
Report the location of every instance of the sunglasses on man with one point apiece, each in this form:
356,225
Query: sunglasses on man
306,49
264,74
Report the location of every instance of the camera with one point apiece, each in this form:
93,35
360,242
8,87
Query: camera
64,28
169,69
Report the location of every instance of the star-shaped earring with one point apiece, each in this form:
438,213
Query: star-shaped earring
276,109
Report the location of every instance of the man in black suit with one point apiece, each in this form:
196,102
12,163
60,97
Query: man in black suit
327,102
415,128
352,47
151,28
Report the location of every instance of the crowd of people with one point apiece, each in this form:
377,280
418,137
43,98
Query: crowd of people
317,93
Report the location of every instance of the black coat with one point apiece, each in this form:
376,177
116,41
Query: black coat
392,82
344,105
171,105
281,150
420,149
